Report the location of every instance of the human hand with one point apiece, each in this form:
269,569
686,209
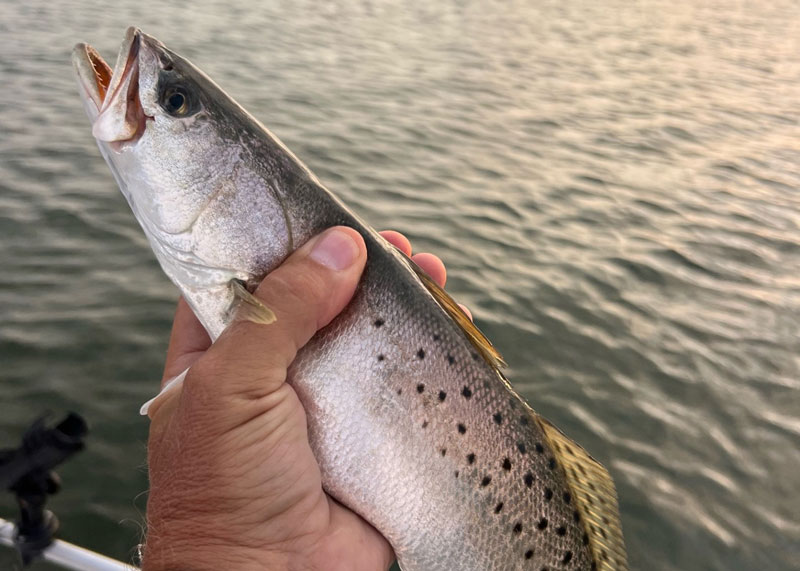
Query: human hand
233,481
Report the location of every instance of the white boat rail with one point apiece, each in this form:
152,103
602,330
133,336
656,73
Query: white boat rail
67,555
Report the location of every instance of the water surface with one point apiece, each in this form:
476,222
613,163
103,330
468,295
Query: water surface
613,185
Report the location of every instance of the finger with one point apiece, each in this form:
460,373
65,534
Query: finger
187,341
433,266
397,240
306,292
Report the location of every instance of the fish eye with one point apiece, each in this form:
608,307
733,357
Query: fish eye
175,101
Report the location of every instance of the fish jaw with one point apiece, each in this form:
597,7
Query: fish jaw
111,97
94,77
121,117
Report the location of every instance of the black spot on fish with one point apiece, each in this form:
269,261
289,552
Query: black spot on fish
562,531
539,447
498,508
552,464
378,322
436,337
521,447
543,569
451,359
461,428
594,566
443,451
486,481
506,464
528,479
586,539
518,528
421,353
420,388
498,418
466,392
442,396
456,473
381,357
576,516
425,424
567,557
524,421
529,554
542,524
567,497
471,458
474,356
548,494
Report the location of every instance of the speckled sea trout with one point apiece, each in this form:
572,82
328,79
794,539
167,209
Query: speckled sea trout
413,424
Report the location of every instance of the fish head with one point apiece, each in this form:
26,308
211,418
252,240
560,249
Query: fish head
152,124
173,140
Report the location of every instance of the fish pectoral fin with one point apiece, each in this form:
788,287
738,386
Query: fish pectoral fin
475,336
594,496
175,383
247,307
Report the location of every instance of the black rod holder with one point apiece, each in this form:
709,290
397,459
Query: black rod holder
27,472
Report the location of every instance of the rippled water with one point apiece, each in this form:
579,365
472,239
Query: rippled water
614,185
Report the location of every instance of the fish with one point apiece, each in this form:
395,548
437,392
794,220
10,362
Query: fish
410,416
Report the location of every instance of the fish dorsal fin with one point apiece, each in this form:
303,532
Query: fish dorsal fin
478,339
594,496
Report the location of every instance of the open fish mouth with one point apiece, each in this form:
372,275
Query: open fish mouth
111,97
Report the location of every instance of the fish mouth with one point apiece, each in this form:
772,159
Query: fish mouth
111,97
96,82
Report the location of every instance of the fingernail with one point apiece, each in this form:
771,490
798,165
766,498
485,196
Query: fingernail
336,250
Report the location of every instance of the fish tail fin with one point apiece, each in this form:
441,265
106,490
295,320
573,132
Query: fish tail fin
595,499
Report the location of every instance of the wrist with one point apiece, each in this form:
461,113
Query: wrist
198,553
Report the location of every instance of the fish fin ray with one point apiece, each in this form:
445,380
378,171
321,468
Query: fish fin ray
247,307
594,496
475,336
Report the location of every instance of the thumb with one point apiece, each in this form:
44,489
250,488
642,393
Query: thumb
306,292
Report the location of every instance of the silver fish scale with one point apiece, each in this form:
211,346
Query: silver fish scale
424,439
